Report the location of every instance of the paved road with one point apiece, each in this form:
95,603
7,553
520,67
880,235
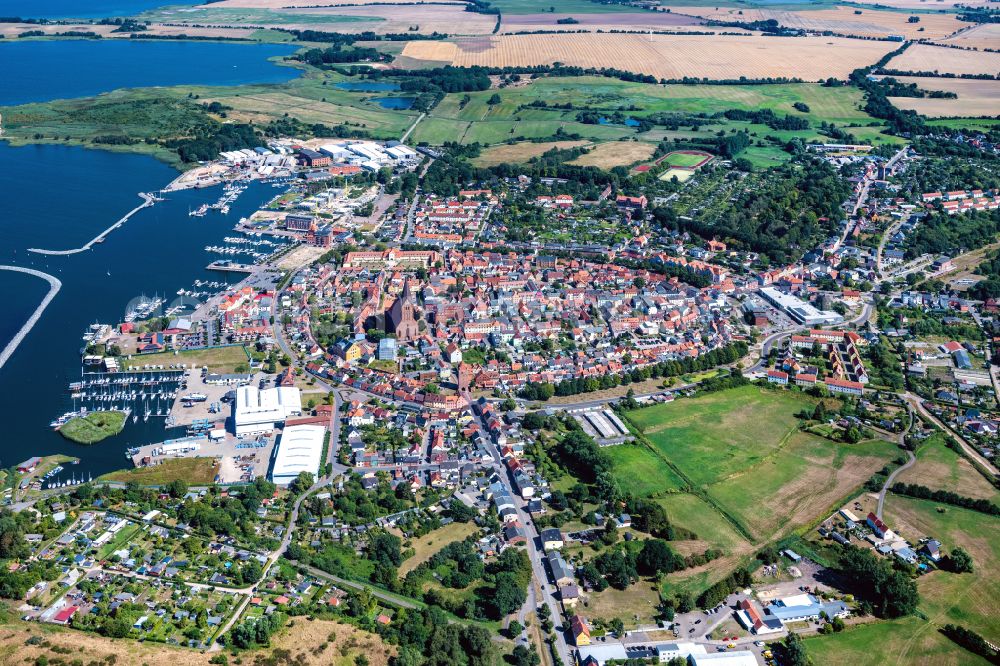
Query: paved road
917,404
354,585
892,477
406,134
535,555
911,459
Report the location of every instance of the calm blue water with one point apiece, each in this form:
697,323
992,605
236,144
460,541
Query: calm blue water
367,86
78,8
35,71
30,291
395,102
158,251
629,122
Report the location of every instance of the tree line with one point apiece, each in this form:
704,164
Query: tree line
716,357
946,497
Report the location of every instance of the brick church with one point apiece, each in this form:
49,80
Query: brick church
401,319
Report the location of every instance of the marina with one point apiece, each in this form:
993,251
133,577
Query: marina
100,286
143,308
230,193
141,395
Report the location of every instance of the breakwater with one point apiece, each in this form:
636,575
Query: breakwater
54,286
147,201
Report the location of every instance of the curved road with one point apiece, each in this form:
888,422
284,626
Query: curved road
968,448
892,477
54,286
147,201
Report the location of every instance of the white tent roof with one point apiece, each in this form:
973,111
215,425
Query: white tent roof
299,450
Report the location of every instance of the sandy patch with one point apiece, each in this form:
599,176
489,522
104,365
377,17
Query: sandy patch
300,256
616,153
680,174
519,153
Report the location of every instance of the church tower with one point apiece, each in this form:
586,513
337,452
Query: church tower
401,317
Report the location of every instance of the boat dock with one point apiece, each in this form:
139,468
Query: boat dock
143,393
226,265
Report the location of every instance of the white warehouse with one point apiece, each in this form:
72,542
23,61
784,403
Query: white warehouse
256,411
299,450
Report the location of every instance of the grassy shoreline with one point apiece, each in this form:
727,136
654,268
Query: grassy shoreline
94,427
194,471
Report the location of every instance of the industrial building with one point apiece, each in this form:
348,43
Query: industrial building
599,655
256,411
299,450
368,154
802,312
804,607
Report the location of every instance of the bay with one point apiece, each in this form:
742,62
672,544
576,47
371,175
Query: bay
42,70
52,9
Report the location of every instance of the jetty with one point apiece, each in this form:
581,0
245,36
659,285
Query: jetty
147,201
54,286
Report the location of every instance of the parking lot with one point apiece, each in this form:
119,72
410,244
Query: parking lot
185,413
240,460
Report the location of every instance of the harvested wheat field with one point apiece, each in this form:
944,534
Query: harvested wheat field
600,21
932,5
448,19
975,97
666,56
198,31
12,30
431,50
927,58
615,153
982,36
519,153
844,20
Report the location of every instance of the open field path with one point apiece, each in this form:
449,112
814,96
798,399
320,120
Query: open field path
892,477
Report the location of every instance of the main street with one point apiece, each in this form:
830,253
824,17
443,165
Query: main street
535,555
